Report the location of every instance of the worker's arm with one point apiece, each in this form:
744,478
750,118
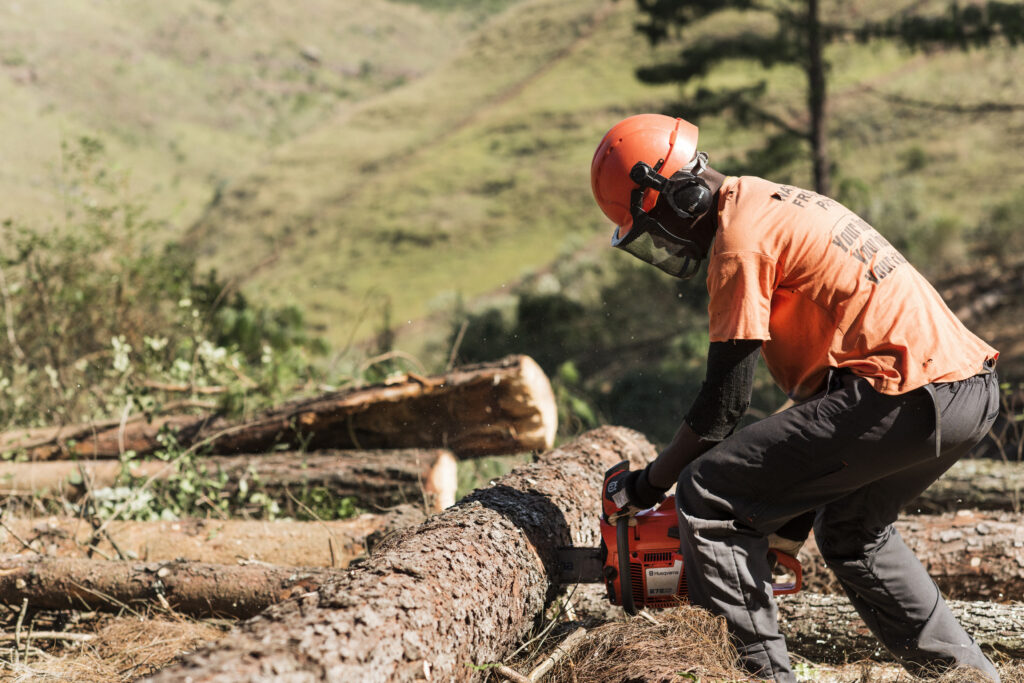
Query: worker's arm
723,400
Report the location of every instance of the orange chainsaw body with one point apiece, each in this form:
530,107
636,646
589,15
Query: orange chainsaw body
655,575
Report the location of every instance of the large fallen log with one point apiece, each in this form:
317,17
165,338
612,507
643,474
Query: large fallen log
193,588
826,628
375,479
487,409
434,600
332,543
971,555
974,483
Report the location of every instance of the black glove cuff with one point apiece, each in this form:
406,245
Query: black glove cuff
641,491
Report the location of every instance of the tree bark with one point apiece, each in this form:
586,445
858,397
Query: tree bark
377,479
487,409
971,555
975,483
298,544
817,100
826,628
188,587
434,600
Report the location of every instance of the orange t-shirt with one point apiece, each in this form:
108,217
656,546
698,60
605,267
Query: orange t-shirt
821,288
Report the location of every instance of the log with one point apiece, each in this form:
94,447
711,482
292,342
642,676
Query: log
333,543
974,483
971,555
375,479
488,409
827,629
434,600
193,588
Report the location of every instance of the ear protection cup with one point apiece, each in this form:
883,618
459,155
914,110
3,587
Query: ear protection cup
688,195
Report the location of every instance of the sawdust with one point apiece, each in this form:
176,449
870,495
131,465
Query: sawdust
125,648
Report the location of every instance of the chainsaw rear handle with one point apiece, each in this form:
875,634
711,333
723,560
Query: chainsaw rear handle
792,564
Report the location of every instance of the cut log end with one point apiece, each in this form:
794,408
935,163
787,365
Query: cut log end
442,482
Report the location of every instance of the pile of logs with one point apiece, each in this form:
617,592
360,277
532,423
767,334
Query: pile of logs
442,596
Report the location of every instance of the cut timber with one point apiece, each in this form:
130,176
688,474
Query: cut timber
487,409
288,543
826,628
975,483
187,587
459,590
375,479
971,555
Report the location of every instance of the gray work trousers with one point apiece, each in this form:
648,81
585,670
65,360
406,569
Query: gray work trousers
856,457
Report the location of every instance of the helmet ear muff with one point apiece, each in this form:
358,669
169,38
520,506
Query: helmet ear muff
688,195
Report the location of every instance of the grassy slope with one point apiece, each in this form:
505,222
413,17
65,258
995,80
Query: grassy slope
471,177
380,177
189,94
458,183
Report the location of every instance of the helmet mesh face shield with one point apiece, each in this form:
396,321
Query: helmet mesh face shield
651,246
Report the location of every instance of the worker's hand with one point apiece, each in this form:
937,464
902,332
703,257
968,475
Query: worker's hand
627,493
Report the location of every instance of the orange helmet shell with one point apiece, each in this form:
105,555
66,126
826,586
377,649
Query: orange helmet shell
644,137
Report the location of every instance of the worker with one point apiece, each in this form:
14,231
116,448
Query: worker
889,389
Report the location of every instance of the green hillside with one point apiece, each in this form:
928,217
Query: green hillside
377,162
189,95
463,182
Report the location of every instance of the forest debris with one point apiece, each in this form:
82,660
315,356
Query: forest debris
371,478
683,642
188,587
328,543
827,628
487,409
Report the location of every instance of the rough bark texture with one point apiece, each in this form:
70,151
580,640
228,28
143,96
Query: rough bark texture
376,479
975,483
187,587
460,589
971,555
487,409
287,543
826,628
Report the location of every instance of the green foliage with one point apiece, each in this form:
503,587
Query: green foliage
192,490
965,27
999,234
622,343
100,312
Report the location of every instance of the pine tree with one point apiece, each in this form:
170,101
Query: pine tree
798,37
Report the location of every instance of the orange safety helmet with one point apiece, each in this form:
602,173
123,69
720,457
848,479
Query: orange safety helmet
665,143
638,160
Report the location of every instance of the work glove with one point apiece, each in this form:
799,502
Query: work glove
629,492
786,545
790,538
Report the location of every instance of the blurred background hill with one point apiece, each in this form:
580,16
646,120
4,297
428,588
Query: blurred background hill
410,180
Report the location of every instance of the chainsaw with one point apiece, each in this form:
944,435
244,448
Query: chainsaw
639,561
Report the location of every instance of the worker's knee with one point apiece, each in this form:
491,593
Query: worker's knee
838,542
